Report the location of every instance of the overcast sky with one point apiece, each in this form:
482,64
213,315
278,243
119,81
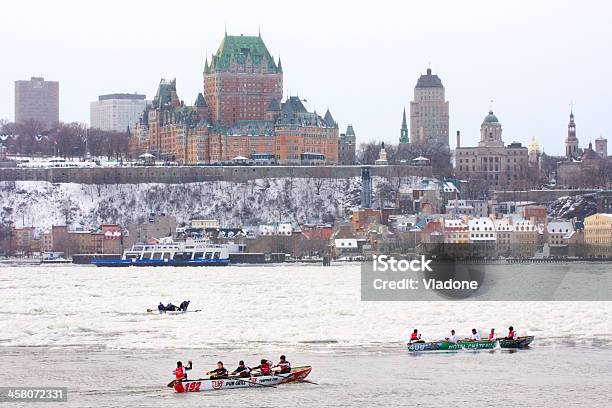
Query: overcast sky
532,58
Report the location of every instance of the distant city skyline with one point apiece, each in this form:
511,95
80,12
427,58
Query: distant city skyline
363,67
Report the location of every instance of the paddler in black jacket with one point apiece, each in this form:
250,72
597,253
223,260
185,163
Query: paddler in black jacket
242,370
218,373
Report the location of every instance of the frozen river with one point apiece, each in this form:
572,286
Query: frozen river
87,328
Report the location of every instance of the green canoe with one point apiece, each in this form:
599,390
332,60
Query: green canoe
443,345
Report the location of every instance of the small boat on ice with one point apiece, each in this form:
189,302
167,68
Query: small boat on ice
262,381
443,345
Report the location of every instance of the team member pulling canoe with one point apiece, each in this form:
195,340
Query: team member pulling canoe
218,373
265,367
492,335
284,365
415,337
242,370
475,335
453,337
184,305
511,333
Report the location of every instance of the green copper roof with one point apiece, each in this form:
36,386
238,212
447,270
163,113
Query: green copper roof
200,102
491,118
242,47
164,93
350,131
404,139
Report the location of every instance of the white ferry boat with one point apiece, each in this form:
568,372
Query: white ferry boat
166,252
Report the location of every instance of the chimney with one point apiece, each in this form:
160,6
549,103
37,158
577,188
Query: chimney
458,139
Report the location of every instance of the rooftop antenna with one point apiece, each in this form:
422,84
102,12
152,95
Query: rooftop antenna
259,30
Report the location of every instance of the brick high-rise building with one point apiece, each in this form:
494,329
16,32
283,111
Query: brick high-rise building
241,80
37,100
429,112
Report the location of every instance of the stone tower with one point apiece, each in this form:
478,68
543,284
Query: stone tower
404,131
429,112
601,146
491,132
571,143
346,146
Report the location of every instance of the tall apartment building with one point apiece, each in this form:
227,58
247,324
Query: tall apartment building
37,100
241,80
116,112
429,112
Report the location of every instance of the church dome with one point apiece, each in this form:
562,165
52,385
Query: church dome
589,153
491,118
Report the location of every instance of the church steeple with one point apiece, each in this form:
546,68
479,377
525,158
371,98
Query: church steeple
571,143
404,131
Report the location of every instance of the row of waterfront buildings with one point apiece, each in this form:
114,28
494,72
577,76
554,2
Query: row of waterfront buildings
525,234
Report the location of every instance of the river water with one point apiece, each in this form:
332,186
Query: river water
87,328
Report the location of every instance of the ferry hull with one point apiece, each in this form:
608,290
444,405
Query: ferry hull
161,262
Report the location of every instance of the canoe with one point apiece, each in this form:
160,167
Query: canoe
262,381
172,312
519,342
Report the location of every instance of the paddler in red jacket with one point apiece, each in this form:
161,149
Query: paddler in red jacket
492,335
265,367
415,337
180,374
511,333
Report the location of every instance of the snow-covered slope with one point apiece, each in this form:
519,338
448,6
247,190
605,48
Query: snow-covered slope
578,206
43,204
